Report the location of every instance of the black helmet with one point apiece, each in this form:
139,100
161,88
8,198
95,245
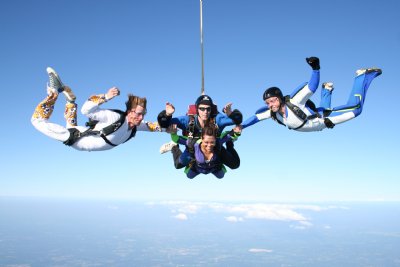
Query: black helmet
271,92
204,99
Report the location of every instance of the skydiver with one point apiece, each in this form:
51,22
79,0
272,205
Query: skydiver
109,127
294,112
206,151
192,125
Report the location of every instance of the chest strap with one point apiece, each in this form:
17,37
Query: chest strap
298,112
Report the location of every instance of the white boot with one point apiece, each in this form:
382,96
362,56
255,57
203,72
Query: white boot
167,147
328,86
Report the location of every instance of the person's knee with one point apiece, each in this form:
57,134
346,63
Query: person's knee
235,165
191,174
219,175
178,165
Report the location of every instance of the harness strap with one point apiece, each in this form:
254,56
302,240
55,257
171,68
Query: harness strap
75,134
298,112
191,126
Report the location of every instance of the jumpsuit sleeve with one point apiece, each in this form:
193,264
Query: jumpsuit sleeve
222,120
181,122
165,121
302,93
178,139
149,127
91,109
228,136
262,114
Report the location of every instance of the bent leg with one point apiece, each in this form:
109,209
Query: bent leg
179,157
326,95
40,119
70,114
356,100
220,173
51,130
229,156
190,173
45,108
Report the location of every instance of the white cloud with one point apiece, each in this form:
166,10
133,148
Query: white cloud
302,225
263,211
184,206
234,219
181,217
239,212
260,250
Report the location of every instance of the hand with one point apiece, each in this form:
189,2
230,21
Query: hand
172,129
313,62
238,129
169,109
112,92
227,109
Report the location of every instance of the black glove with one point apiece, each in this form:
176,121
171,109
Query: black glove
163,120
190,146
313,62
328,123
236,116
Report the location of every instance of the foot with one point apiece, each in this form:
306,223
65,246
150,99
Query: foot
328,86
167,147
69,94
54,80
365,71
55,85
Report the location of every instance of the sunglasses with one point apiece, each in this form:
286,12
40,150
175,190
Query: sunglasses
139,113
204,109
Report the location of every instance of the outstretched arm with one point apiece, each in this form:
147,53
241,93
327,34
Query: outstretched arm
149,127
261,114
229,117
231,135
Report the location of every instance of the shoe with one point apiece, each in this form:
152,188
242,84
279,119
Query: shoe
69,94
167,147
54,80
328,86
56,85
365,71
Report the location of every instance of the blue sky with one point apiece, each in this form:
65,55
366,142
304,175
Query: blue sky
152,48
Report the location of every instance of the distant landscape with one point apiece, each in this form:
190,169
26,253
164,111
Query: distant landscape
56,232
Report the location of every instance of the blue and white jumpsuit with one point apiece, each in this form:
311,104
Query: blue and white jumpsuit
299,97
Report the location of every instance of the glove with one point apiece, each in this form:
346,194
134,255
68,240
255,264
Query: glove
328,123
236,116
190,145
313,62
